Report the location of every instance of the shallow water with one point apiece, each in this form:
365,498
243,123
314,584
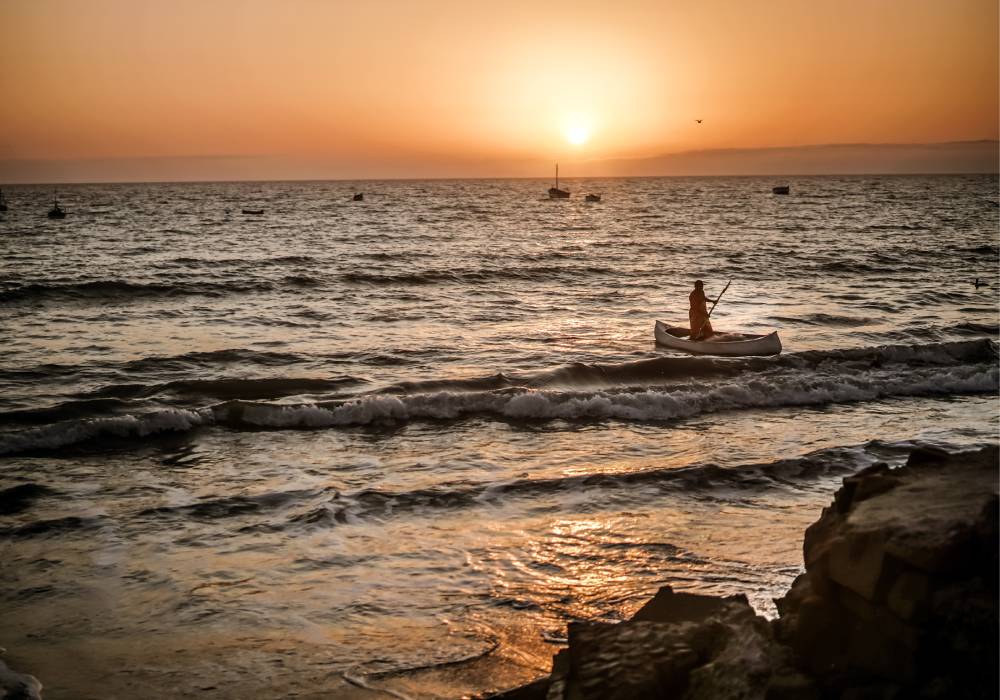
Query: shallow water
359,437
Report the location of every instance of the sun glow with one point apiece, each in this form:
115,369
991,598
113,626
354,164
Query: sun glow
577,135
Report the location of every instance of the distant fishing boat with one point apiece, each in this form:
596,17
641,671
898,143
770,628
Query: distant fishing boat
3,202
56,211
781,189
728,344
359,197
555,192
593,198
253,212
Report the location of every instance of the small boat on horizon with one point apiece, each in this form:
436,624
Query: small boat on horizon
359,197
593,198
555,192
780,189
56,211
719,343
253,212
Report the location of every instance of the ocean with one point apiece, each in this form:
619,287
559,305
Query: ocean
402,442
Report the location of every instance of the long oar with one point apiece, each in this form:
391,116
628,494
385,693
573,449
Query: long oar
717,299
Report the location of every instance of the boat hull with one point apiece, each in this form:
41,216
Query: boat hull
556,193
735,345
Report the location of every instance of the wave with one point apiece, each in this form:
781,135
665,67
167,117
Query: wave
187,261
523,405
520,404
848,266
482,276
668,368
296,509
213,508
821,319
991,250
658,389
915,355
977,328
73,432
897,227
122,289
931,332
21,497
64,411
214,358
55,526
302,281
264,388
112,399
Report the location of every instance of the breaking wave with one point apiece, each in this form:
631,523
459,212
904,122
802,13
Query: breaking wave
661,389
654,404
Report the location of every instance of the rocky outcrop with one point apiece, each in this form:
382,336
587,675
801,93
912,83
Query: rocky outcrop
678,645
900,590
899,600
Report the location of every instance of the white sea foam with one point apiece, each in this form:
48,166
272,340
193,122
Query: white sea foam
769,390
785,389
72,432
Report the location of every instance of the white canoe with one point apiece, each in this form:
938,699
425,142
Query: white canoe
732,344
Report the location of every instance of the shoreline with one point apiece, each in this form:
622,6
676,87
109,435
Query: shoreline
515,668
899,599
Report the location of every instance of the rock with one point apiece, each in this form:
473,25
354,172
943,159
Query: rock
857,562
670,606
679,645
899,598
907,594
538,690
792,686
624,661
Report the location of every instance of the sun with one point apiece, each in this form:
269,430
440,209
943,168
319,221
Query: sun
577,135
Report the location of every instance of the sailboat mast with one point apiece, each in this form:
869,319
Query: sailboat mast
557,176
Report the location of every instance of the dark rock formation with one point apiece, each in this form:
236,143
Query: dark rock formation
678,645
899,600
900,590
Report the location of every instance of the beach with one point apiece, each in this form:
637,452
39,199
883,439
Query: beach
402,442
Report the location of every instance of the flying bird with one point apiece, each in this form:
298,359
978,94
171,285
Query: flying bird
698,120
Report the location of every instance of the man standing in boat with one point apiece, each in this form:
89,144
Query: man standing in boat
701,327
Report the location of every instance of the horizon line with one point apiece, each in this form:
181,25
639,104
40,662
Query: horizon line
924,163
661,154
511,177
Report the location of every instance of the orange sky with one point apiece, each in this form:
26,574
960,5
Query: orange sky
393,87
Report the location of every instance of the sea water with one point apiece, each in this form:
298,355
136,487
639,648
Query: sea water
341,440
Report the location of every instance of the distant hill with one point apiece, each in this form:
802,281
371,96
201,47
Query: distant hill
838,159
845,159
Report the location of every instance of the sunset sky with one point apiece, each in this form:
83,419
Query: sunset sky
396,88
